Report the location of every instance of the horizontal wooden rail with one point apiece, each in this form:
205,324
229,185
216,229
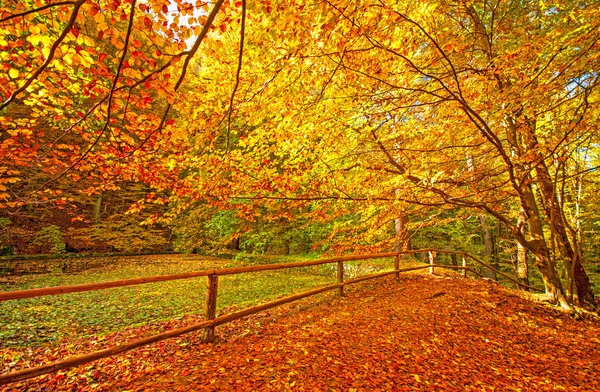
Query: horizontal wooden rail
32,293
465,254
270,267
8,378
213,322
83,359
503,274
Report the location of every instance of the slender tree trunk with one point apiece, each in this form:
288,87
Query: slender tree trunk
520,170
235,243
97,212
402,242
488,241
522,266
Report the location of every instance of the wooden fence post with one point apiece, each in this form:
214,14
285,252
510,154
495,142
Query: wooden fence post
340,277
397,267
211,307
464,263
431,262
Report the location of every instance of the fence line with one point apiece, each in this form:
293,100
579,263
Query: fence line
41,292
211,321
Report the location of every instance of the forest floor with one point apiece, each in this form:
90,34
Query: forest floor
422,333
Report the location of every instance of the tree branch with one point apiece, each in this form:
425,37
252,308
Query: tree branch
55,46
33,11
237,75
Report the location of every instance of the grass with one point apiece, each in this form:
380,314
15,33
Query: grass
46,320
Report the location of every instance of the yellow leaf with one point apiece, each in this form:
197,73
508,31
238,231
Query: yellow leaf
58,65
13,73
35,39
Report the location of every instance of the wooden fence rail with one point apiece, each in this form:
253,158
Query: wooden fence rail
211,321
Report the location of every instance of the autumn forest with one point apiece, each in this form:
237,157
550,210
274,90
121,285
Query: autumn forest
268,131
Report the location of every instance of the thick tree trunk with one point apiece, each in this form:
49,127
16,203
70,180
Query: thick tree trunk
577,280
530,214
539,248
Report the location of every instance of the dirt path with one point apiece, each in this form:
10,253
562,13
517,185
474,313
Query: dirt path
425,333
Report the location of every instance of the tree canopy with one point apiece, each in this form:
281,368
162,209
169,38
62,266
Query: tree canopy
355,114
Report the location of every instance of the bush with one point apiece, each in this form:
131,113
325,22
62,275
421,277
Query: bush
6,248
51,239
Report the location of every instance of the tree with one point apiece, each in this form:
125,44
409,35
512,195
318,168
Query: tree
366,110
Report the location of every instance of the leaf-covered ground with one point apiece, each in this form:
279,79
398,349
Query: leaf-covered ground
47,320
424,333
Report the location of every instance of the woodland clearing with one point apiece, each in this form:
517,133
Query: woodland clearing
423,333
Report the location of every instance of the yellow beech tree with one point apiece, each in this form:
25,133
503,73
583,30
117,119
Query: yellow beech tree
372,108
457,104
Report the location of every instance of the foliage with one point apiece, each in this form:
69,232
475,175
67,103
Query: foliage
50,239
198,230
6,248
96,313
383,335
351,113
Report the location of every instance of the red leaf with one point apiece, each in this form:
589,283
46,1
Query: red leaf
94,9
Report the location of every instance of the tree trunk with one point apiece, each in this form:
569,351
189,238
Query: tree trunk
402,242
97,213
235,243
488,241
530,214
538,247
577,280
523,144
522,267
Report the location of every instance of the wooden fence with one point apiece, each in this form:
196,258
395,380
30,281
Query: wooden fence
211,321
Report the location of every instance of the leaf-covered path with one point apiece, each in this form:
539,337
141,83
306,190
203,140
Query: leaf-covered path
424,333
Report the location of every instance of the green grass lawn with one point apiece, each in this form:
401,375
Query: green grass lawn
48,319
